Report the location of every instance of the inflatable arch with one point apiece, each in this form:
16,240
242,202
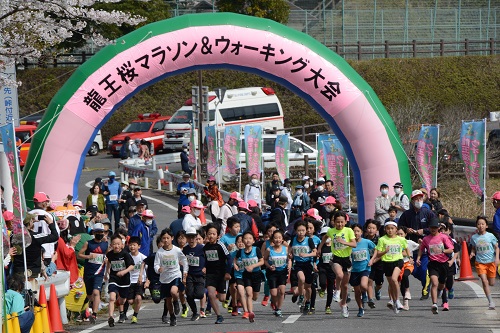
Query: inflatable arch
213,41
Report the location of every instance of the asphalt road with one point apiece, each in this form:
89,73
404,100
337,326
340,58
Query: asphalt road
468,310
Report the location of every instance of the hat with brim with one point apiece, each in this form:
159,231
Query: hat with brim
191,231
434,223
196,204
313,212
416,193
98,227
329,201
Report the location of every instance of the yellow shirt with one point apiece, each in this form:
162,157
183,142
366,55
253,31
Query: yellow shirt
338,249
393,246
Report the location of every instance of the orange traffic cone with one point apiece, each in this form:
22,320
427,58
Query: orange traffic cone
45,310
465,268
54,311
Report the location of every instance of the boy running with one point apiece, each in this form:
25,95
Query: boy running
137,277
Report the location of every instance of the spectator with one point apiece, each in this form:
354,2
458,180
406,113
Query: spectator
329,190
182,191
146,230
300,204
496,218
125,149
286,191
213,196
42,204
400,200
255,214
253,190
227,210
137,198
136,219
382,204
436,204
318,195
124,201
272,200
427,203
176,225
95,198
14,303
192,220
278,215
112,192
185,160
275,182
144,152
135,148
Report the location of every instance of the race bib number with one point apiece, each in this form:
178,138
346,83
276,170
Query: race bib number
359,255
326,257
113,197
118,265
249,261
193,261
482,247
212,255
393,249
169,261
98,260
137,266
337,245
436,249
279,261
232,248
297,250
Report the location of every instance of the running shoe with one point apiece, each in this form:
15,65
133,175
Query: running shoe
251,317
371,303
425,294
446,307
399,305
165,320
348,299
328,310
273,306
395,308
491,306
364,298
265,300
279,313
294,298
122,318
406,305
208,313
378,294
407,294
306,308
225,304
177,308
300,301
133,320
79,318
229,309
434,308
336,296
202,314
111,322
245,315
311,311
173,321
345,311
185,311
451,293
195,317
321,293
219,320
390,304
93,319
234,313
361,312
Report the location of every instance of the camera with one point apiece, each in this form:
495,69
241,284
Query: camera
41,217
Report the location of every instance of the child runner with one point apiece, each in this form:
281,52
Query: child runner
277,263
172,266
343,240
325,272
217,267
195,281
407,269
119,266
390,248
137,278
265,243
228,239
249,287
485,249
360,270
438,246
238,274
181,241
447,229
313,227
377,271
303,252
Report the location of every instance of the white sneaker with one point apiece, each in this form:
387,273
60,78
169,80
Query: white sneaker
390,304
336,296
399,306
434,308
491,306
407,294
406,305
345,311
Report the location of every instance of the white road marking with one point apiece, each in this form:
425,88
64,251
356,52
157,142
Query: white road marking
495,330
95,327
478,290
291,319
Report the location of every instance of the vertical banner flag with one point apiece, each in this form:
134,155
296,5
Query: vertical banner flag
335,162
231,150
427,155
192,149
320,159
10,149
253,149
9,106
212,150
472,152
281,148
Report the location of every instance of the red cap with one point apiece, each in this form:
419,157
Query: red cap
243,205
40,197
496,196
186,209
329,200
235,196
313,212
196,204
8,216
252,203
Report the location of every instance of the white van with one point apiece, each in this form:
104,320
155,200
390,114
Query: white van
244,106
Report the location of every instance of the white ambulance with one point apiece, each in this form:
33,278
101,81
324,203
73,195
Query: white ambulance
243,106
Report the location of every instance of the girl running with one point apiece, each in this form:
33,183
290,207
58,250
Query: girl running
407,268
325,272
277,264
376,277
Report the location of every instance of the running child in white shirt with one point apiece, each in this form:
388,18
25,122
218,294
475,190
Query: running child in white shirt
137,277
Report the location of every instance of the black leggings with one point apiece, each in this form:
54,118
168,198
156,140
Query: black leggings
405,281
327,281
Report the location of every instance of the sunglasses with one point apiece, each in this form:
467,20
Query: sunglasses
137,189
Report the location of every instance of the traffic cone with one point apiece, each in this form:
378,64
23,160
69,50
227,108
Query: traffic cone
37,325
45,310
465,268
202,217
16,328
54,311
8,325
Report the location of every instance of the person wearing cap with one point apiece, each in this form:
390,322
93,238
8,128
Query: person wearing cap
195,280
192,219
438,246
124,199
227,210
182,190
95,198
41,201
34,250
214,197
308,184
146,230
278,214
135,148
400,200
416,221
382,204
137,197
93,252
136,219
270,187
8,217
300,203
286,190
330,207
318,195
495,200
253,190
185,160
112,192
246,221
427,203
176,225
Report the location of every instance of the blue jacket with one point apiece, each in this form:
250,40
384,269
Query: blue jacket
183,200
496,221
144,232
416,220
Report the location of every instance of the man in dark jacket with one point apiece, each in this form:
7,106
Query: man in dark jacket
185,160
278,214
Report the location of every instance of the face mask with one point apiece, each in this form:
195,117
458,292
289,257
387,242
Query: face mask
328,209
311,183
418,204
148,221
384,191
397,190
132,187
320,188
111,179
191,198
124,188
197,212
306,185
99,236
298,192
123,241
185,150
255,181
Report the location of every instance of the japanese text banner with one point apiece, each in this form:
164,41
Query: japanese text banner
281,148
426,155
253,149
472,153
335,162
212,150
320,159
231,149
